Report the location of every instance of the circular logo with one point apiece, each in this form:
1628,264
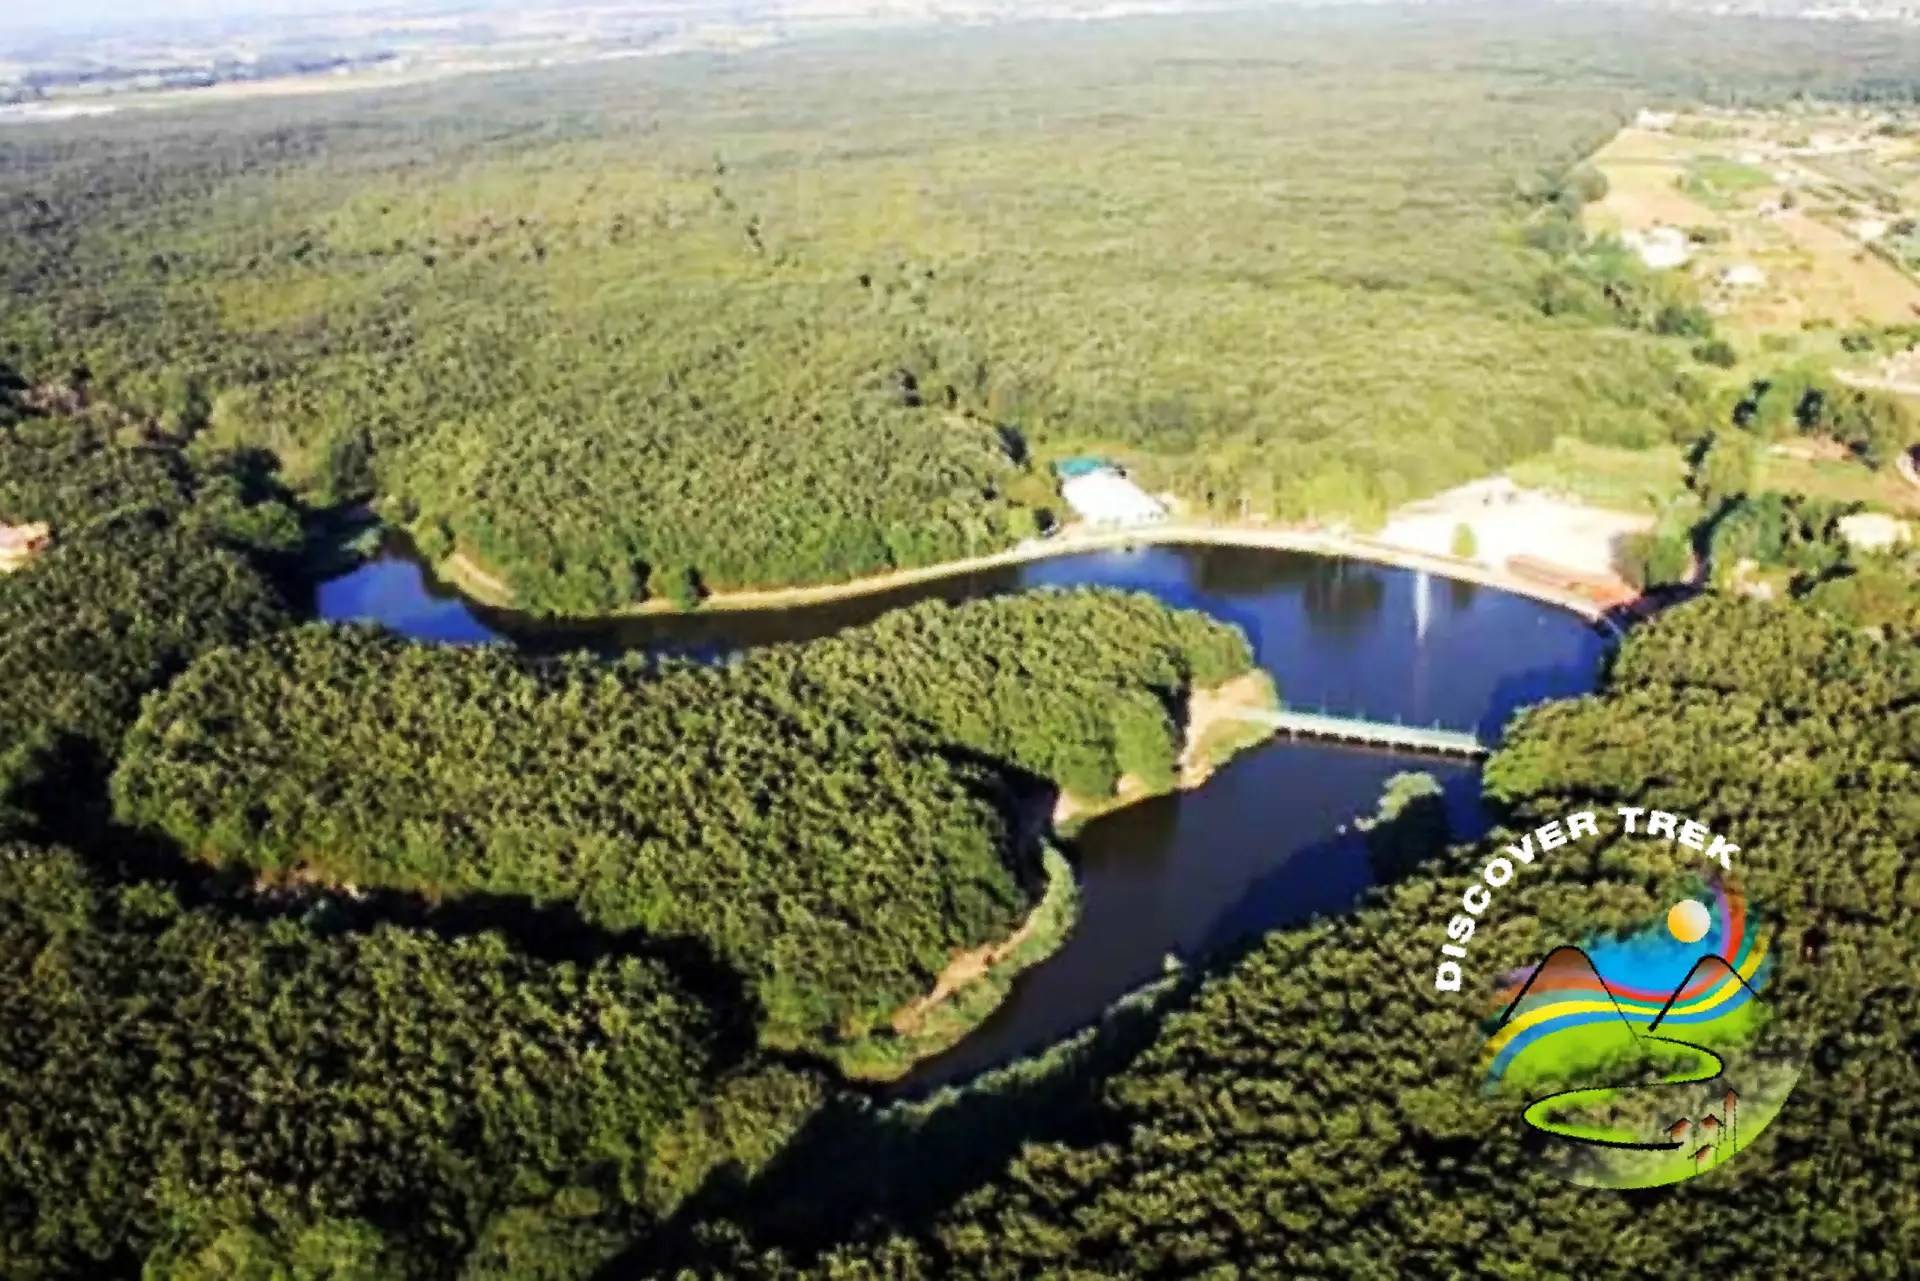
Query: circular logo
1646,1058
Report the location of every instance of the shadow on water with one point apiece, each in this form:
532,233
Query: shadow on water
1328,878
1180,876
899,1164
1517,691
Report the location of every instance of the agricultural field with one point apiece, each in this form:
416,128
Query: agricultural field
1797,229
1796,222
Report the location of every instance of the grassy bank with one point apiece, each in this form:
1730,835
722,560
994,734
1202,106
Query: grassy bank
461,572
1214,734
889,1054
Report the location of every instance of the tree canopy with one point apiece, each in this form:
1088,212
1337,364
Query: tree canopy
838,312
151,562
805,811
172,1078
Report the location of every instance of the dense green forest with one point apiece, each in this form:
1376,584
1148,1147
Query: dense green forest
714,323
209,1084
327,955
1076,687
186,1082
804,811
1315,1109
152,561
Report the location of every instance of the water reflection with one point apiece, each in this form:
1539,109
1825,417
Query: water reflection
1344,597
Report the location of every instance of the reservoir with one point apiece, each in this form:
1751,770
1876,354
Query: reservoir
1261,844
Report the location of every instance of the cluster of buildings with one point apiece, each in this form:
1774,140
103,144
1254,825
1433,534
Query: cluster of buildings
1664,248
1708,1132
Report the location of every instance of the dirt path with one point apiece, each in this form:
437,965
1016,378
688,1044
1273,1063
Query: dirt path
963,969
462,572
1221,708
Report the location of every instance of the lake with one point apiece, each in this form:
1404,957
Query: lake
1262,843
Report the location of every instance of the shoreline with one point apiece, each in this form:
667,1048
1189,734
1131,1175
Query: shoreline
461,572
956,1003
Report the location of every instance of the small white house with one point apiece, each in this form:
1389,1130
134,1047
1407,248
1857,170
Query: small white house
1107,498
1743,275
1661,248
1868,230
1872,532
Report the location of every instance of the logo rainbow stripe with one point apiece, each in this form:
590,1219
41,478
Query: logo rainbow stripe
1550,999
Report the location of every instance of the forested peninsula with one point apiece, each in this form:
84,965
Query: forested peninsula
561,915
832,819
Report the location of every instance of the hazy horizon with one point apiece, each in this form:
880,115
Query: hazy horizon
81,15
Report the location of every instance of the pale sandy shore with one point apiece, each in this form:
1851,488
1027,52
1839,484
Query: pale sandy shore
461,572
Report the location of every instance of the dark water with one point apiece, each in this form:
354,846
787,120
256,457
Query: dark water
1260,844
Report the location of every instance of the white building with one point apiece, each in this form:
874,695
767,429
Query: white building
1872,532
1660,248
1107,498
1868,230
1743,276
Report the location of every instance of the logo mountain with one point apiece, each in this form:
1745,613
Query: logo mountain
1647,1059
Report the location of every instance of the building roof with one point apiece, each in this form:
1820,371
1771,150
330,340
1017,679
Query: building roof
24,537
1070,468
1872,531
1106,498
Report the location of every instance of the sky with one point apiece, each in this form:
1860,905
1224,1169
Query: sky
25,15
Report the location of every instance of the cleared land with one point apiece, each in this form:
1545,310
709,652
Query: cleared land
1839,481
1507,521
1607,476
1783,193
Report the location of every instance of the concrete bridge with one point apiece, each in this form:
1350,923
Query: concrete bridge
1348,729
